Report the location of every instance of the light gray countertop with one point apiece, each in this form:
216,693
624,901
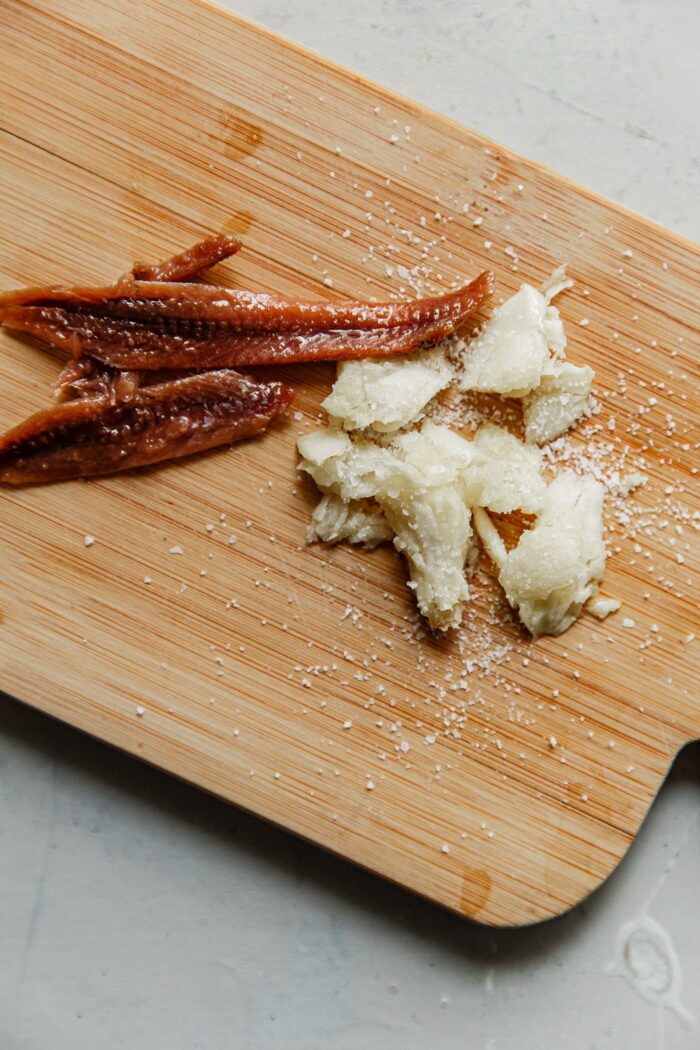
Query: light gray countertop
136,912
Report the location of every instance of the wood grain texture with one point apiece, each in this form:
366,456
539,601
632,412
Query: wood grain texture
130,130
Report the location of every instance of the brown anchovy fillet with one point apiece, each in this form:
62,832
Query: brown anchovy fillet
93,436
86,377
91,377
154,302
188,264
197,345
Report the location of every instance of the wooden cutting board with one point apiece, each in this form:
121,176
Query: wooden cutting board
291,680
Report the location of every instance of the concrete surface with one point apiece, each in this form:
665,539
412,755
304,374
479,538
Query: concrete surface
137,913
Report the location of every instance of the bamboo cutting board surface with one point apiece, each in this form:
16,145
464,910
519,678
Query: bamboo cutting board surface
293,681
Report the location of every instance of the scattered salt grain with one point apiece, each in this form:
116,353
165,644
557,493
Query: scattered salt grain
602,607
89,540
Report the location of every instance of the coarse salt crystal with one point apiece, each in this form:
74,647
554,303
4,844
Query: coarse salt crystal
602,607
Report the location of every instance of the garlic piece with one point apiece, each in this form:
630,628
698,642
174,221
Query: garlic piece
513,349
432,522
351,469
561,398
556,566
358,522
505,474
417,484
385,395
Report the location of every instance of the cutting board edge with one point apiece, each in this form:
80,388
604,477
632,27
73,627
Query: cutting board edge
481,918
593,195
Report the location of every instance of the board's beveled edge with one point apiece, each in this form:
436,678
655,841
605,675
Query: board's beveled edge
489,914
434,115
